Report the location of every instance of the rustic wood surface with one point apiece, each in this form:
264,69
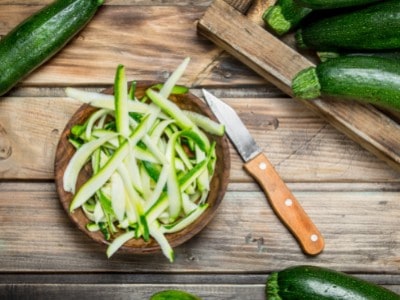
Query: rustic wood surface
350,194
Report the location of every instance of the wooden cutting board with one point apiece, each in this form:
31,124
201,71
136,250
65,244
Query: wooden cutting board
241,34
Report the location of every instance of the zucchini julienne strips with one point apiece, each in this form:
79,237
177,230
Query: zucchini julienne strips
157,132
205,123
150,143
152,162
192,175
198,137
137,202
186,221
157,208
176,90
133,168
118,242
170,109
187,204
173,189
118,196
159,187
132,90
157,234
100,100
79,159
168,86
98,180
121,103
92,120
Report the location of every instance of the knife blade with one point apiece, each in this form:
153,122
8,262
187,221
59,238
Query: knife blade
281,199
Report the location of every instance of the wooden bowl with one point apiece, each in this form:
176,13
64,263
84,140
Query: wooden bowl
218,186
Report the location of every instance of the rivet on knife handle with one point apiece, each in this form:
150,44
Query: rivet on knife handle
285,205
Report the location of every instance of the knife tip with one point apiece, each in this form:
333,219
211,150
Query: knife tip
205,92
207,95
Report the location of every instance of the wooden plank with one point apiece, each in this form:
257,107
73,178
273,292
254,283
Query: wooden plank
160,279
240,5
141,40
360,229
128,291
226,286
278,63
132,291
300,145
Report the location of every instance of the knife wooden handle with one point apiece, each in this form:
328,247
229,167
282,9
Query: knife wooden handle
285,205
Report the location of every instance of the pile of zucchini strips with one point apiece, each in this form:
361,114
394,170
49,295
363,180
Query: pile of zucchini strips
357,42
152,162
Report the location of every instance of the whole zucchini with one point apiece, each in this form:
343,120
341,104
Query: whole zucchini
316,283
375,27
284,15
174,295
41,36
370,79
330,4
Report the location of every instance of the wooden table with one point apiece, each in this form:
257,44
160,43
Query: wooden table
352,196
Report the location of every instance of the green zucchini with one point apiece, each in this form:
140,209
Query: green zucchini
330,4
316,283
372,28
323,56
41,36
174,295
369,79
284,16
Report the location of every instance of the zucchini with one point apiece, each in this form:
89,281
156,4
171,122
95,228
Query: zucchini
284,15
316,283
323,56
41,36
369,79
330,4
372,28
174,295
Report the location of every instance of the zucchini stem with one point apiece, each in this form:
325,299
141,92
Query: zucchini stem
305,84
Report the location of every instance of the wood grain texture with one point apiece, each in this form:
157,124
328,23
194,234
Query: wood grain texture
278,63
135,291
150,58
352,196
129,291
360,229
240,5
300,145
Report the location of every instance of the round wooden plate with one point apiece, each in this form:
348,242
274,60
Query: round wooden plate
218,186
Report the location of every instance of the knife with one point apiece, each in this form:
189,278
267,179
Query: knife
281,199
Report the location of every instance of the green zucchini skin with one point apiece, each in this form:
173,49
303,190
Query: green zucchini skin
323,56
284,15
316,283
330,4
372,28
174,295
370,79
41,36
